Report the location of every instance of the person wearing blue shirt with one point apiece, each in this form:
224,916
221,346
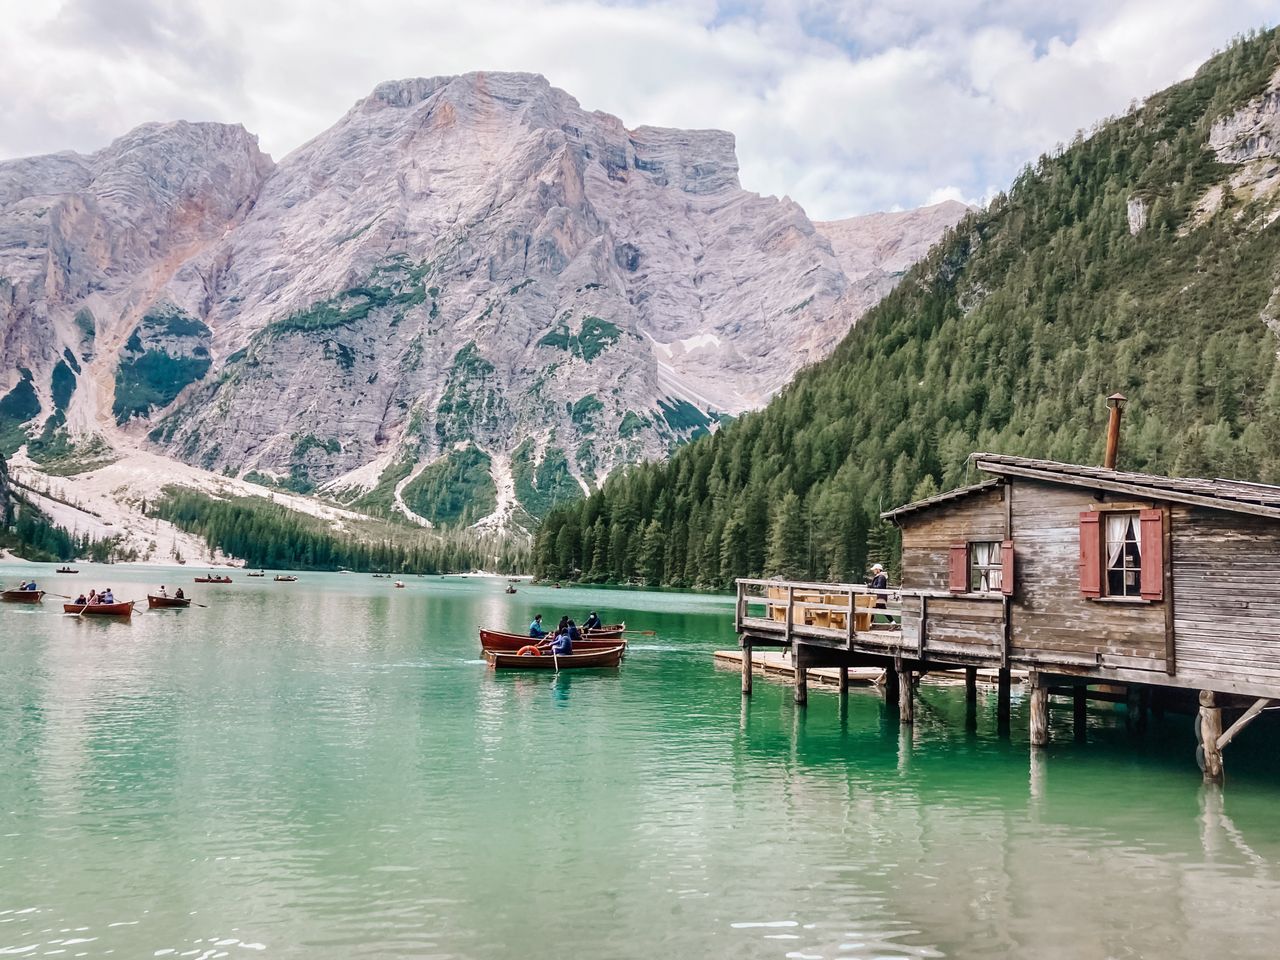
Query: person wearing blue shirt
562,645
535,628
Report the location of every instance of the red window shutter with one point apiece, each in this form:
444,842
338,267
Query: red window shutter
959,580
1151,540
1090,554
1006,568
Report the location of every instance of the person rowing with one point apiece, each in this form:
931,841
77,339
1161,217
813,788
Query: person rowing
535,628
106,596
592,623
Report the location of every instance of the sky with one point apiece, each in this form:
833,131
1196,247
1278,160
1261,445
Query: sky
847,106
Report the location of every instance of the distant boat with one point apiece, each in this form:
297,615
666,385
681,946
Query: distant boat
609,657
101,609
65,570
21,596
154,602
285,578
607,631
260,573
212,579
511,590
399,583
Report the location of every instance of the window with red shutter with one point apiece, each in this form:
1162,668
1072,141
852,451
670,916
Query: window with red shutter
959,577
1151,523
1006,568
1090,554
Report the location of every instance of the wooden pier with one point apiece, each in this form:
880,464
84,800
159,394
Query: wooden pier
1097,583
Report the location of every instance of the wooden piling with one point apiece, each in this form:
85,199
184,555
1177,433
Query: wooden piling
970,685
801,677
1208,751
1079,710
1039,710
906,694
891,687
844,681
1002,698
746,669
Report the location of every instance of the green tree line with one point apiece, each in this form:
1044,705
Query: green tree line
1006,338
266,534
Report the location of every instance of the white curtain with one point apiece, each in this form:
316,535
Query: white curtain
1117,528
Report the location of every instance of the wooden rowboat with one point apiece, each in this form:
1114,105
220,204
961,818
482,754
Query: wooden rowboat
511,642
101,609
21,596
287,578
608,631
212,579
153,601
610,657
65,570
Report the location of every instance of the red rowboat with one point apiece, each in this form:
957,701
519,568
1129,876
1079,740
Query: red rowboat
511,642
608,631
215,579
153,602
610,657
21,596
101,609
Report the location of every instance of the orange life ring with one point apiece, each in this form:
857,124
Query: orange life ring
528,650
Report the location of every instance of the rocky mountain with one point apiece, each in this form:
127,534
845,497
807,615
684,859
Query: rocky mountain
468,300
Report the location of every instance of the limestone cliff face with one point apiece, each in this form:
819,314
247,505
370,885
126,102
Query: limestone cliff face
467,274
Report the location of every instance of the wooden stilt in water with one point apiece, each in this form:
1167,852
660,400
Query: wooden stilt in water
746,669
906,694
1002,700
1039,710
844,681
891,687
1079,710
1210,729
801,676
971,685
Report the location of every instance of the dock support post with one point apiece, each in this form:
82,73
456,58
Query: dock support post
906,694
1002,700
970,685
891,686
746,669
799,662
1079,708
844,681
1210,730
1039,710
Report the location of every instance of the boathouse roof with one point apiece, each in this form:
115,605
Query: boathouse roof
1239,496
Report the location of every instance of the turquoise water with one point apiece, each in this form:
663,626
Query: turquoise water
327,769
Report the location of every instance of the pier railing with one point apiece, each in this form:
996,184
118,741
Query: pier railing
854,616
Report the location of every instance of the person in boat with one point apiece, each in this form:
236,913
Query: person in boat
574,633
163,591
82,601
106,596
563,625
179,595
562,645
535,628
592,623
93,596
28,585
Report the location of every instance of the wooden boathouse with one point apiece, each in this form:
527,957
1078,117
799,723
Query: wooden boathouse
1084,577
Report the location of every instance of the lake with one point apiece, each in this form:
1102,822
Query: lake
328,769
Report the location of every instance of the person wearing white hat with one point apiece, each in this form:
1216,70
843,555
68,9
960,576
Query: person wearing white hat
878,579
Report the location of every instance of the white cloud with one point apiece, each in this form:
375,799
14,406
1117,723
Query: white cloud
845,105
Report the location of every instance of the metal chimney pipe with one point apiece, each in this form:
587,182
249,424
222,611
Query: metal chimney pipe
1116,404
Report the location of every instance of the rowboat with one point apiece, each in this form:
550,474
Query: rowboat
259,574
212,579
608,631
609,657
511,642
65,570
400,584
153,601
101,609
287,578
21,596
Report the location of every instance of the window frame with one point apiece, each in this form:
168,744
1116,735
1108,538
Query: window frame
996,565
1125,569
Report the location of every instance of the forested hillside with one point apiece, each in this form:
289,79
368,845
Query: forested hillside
1141,259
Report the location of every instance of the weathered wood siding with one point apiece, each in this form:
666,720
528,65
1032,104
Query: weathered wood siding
1050,615
1226,589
